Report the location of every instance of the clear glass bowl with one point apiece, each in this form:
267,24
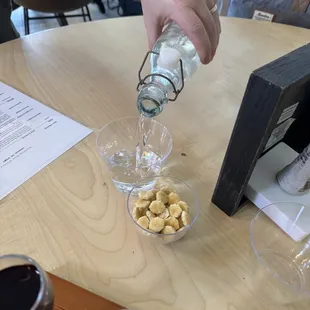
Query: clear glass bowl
186,194
117,145
282,265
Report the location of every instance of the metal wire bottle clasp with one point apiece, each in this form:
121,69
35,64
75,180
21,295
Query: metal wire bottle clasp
142,81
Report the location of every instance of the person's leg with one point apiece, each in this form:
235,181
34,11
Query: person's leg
7,29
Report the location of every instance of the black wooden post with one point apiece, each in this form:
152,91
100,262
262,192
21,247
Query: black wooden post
274,92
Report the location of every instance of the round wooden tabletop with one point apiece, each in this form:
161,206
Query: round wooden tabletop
69,216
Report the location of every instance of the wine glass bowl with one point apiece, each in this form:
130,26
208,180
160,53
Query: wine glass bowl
24,285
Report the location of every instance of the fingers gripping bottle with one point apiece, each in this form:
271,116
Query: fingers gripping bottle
174,59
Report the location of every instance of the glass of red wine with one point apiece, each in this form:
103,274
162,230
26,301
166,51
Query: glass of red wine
24,285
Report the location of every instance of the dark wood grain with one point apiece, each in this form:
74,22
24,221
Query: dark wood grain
69,296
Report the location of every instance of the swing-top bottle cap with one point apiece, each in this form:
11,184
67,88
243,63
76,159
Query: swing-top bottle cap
169,58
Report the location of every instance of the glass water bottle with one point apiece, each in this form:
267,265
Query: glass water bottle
173,60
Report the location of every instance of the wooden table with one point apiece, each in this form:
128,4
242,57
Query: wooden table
70,218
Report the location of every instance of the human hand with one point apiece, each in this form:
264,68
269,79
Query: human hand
193,16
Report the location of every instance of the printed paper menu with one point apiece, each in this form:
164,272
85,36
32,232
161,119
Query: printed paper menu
32,135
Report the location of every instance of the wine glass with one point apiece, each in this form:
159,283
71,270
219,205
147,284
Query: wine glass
280,240
24,285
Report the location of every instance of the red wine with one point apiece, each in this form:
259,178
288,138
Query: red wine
19,287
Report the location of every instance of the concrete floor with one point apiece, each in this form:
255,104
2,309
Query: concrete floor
43,24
